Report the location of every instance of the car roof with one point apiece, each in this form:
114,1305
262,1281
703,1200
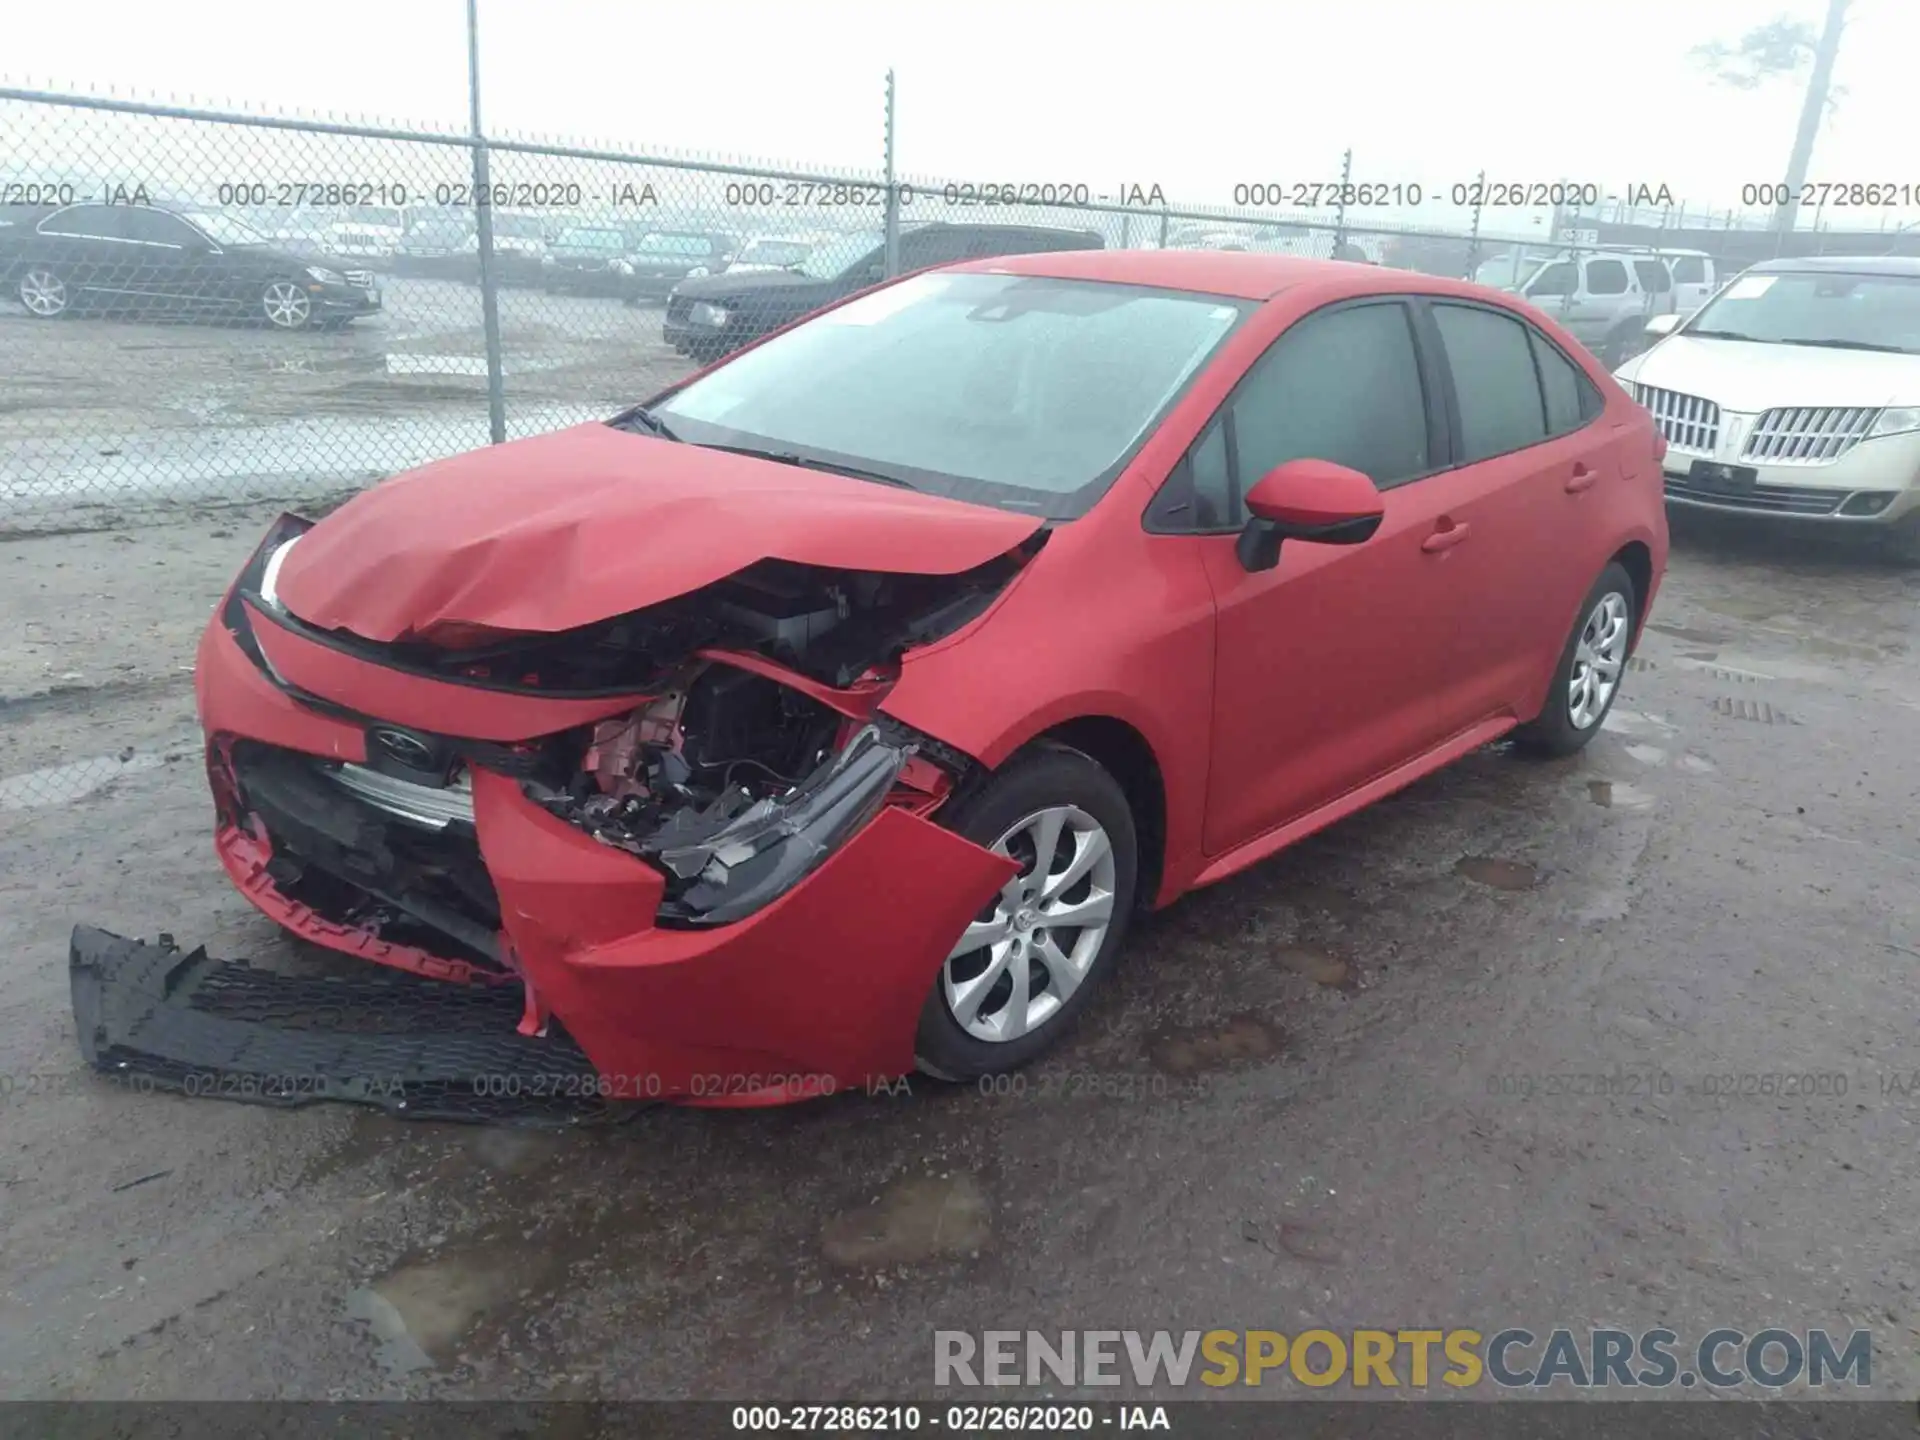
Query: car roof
1239,274
1845,264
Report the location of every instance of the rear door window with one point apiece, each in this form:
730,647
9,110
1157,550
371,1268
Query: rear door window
1606,277
1494,381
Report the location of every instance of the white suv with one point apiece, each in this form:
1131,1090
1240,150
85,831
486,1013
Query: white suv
1795,392
1607,297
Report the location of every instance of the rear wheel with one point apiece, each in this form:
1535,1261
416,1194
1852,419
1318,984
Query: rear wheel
43,292
1587,680
1026,967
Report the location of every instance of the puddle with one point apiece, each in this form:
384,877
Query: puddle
920,1218
1500,874
1617,795
400,1353
63,784
1698,764
1648,754
1317,966
462,365
1192,1051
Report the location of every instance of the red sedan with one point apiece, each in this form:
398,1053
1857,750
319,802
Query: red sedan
829,716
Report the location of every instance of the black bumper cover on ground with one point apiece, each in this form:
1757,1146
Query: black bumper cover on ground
156,1018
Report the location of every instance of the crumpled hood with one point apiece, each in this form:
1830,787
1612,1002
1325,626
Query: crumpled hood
562,530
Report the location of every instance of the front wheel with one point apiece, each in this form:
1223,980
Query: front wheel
286,305
1587,679
1018,976
43,292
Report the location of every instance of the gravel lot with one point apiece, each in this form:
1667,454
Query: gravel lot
1721,885
102,418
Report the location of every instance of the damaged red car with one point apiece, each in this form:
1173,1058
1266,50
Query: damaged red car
828,716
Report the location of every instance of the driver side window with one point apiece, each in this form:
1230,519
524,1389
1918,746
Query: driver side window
1342,384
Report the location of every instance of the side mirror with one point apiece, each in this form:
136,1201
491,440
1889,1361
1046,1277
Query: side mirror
1660,325
1315,501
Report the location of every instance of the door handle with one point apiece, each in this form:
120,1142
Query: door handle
1582,477
1445,539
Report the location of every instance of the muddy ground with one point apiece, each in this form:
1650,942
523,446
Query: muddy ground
1303,1102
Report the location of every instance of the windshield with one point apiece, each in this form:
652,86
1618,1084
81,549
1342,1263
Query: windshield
583,239
774,252
1024,392
224,228
439,232
1854,312
680,245
830,257
374,215
1508,269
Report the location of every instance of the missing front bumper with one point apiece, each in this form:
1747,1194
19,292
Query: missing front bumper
156,1018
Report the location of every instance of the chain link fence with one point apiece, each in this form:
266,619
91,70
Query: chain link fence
200,308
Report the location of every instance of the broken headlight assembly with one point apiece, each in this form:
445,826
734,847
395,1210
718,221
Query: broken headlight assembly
747,860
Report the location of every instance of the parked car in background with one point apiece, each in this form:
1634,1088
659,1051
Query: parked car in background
581,261
835,713
447,248
304,232
150,261
519,245
1606,297
1795,394
1509,269
661,259
716,315
367,234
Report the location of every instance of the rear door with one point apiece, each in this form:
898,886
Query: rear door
1656,284
86,245
1531,471
173,263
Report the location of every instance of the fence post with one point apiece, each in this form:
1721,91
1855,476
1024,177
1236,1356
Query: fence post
893,192
1473,237
483,193
1163,228
1340,212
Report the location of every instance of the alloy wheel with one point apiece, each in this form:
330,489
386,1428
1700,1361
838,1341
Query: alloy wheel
43,293
286,305
1598,658
1026,953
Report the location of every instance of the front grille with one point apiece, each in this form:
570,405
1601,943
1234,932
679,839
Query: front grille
679,308
1688,422
1809,435
1764,499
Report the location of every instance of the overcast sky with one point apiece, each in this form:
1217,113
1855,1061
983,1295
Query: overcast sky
1191,94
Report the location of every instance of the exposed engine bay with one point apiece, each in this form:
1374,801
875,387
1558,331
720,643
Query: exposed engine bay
756,750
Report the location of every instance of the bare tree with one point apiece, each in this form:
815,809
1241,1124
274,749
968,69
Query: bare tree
1780,49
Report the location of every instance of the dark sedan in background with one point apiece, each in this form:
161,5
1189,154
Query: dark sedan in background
448,249
174,261
581,261
715,315
661,259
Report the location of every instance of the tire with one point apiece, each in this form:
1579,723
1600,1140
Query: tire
1608,616
1900,541
955,1041
44,292
1618,347
286,305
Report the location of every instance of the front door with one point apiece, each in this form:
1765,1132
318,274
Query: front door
1326,665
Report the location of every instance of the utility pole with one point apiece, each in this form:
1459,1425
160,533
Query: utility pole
1812,110
892,233
483,212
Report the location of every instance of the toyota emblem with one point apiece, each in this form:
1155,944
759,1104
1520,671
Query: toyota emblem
403,748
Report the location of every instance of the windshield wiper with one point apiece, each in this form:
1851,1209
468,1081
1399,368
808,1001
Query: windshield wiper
1714,335
642,418
809,462
1852,345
